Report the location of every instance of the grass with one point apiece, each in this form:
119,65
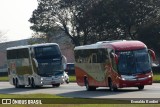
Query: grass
156,78
72,78
80,102
4,78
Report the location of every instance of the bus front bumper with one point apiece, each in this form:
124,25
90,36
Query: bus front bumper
52,80
135,82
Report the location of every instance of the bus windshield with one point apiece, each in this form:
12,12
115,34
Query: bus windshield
47,52
133,62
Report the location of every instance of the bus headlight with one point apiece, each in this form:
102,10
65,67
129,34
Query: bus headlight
41,79
123,79
149,76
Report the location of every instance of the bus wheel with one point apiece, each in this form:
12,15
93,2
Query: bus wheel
89,88
14,83
56,85
111,86
33,83
141,87
29,81
17,83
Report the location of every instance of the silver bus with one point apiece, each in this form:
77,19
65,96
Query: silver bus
36,65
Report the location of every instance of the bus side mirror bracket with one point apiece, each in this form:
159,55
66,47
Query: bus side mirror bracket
152,54
115,57
64,62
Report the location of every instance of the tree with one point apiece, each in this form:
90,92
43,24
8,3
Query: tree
89,21
150,35
38,38
63,14
122,17
48,17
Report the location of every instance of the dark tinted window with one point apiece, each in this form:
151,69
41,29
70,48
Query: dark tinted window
18,53
11,54
91,56
22,53
47,52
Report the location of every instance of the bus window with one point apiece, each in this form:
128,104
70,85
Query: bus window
11,54
102,56
94,58
22,53
47,52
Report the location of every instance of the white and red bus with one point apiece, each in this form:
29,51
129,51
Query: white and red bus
114,64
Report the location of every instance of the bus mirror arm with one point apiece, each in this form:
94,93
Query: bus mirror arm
115,57
64,61
152,54
35,61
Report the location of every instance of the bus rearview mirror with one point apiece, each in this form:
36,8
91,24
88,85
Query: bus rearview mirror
152,54
64,61
115,57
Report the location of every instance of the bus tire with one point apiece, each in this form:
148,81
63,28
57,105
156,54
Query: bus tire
33,83
141,87
111,86
16,83
89,88
29,81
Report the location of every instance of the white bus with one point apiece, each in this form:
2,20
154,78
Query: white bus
36,65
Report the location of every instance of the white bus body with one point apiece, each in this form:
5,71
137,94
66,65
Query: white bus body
36,65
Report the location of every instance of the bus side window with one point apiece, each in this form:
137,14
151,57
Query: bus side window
94,58
22,53
11,54
106,56
102,56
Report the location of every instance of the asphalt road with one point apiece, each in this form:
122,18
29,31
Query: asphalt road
73,90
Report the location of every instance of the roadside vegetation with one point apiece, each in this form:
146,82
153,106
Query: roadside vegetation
4,78
156,78
72,78
78,102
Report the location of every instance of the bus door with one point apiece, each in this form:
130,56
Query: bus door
113,72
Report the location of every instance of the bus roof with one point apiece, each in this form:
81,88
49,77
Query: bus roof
28,46
117,45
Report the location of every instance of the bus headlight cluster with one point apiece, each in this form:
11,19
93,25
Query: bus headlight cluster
122,78
149,76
